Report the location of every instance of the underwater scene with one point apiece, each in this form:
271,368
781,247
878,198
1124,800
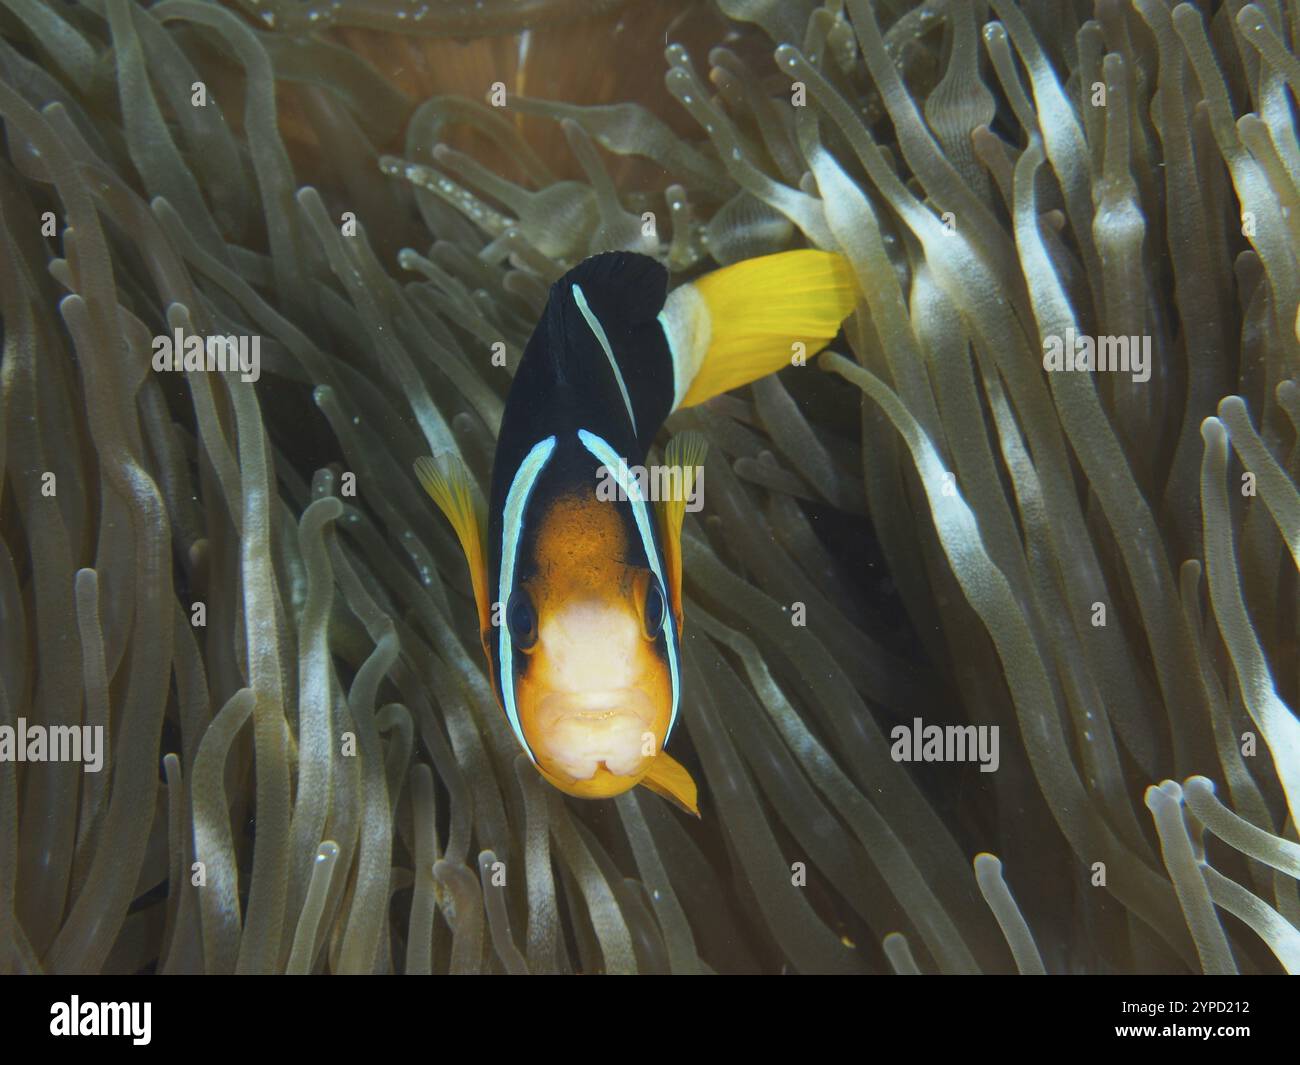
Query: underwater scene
662,486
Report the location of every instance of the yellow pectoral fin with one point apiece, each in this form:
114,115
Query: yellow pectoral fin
756,316
450,486
668,777
685,453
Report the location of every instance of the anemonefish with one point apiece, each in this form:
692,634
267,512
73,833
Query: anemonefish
584,650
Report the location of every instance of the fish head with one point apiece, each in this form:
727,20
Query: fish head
594,687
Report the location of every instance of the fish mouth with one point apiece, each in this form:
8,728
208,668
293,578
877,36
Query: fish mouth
594,703
579,732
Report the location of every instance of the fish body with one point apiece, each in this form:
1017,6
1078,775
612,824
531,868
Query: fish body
579,587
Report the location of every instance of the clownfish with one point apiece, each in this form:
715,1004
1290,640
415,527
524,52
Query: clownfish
584,644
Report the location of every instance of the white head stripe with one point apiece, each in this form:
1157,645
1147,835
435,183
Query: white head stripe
512,523
688,329
615,464
599,332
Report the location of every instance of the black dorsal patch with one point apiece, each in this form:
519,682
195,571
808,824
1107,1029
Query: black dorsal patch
565,384
625,292
622,282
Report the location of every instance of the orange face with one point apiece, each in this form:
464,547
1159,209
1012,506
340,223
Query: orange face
595,696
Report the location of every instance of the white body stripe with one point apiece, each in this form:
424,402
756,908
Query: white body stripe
594,323
687,328
617,466
512,523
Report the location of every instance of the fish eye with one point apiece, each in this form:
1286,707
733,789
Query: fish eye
653,616
521,619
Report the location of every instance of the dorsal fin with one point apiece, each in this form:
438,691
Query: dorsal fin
602,344
623,289
621,283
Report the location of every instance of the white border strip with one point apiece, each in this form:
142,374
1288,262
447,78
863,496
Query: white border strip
599,331
617,466
688,329
512,523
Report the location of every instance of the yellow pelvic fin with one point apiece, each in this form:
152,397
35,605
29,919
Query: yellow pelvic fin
450,486
758,312
668,778
686,452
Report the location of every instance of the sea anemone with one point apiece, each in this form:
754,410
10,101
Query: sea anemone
241,584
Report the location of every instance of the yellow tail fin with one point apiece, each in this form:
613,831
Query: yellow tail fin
748,320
